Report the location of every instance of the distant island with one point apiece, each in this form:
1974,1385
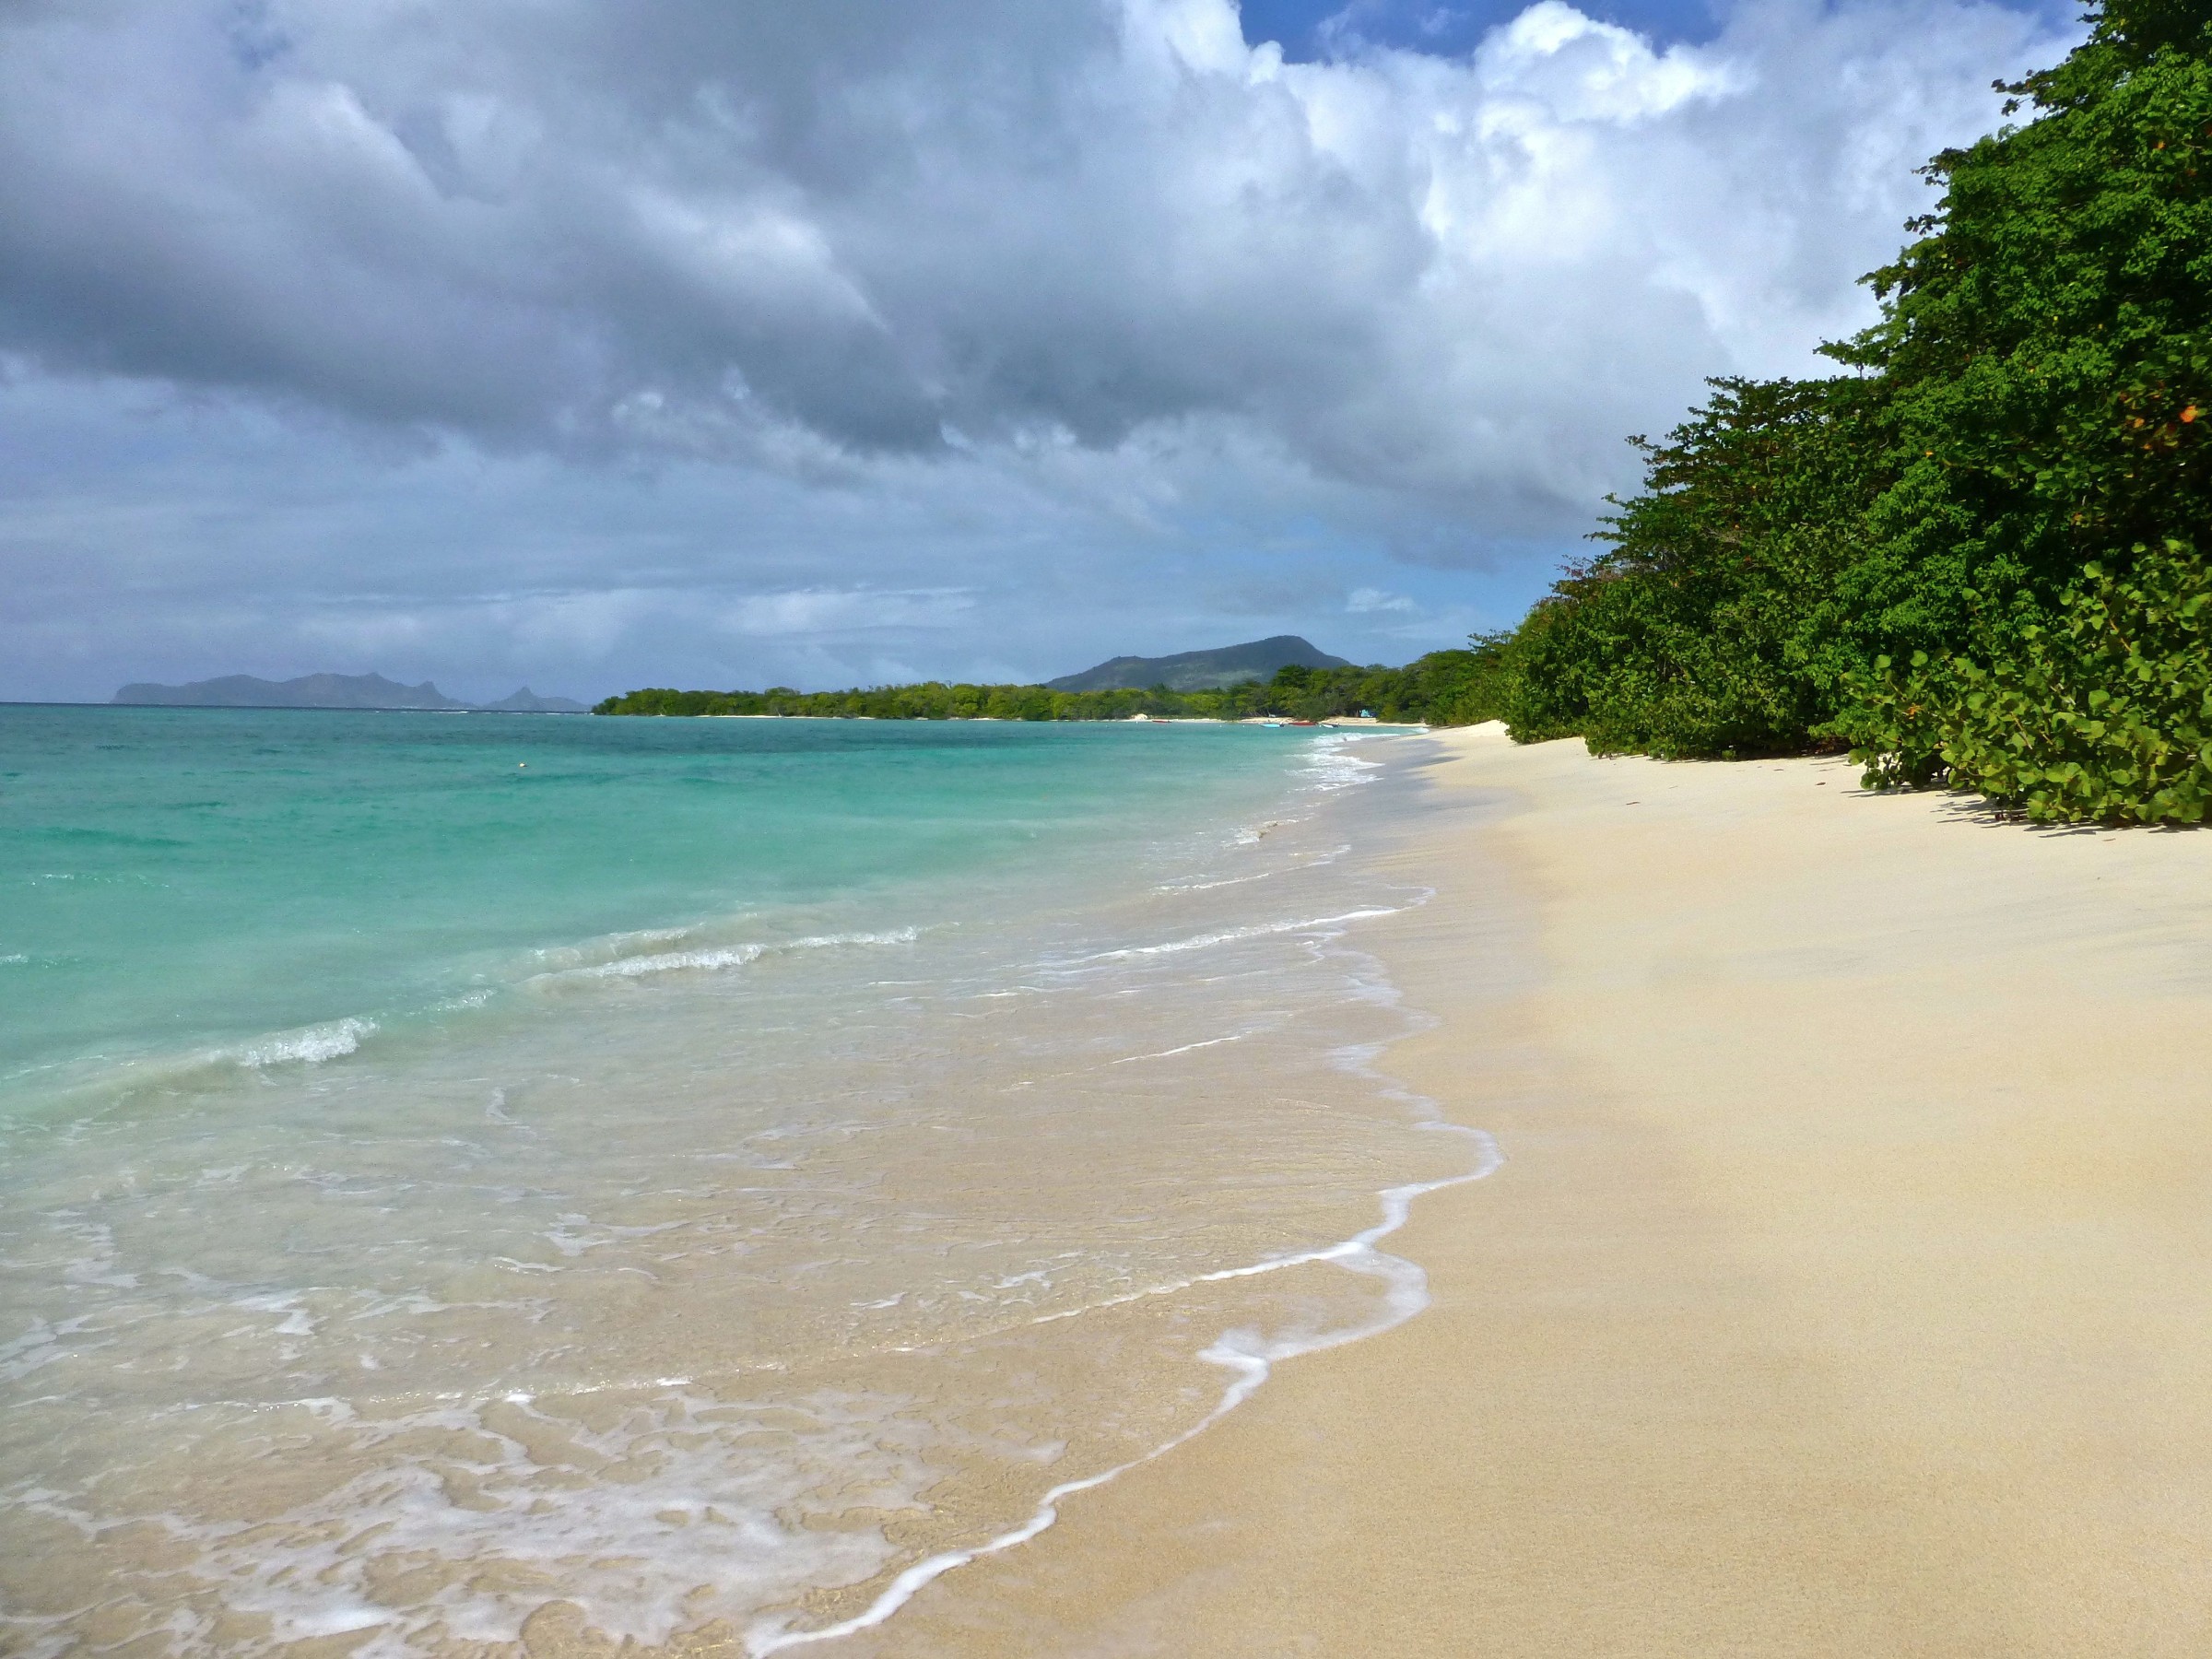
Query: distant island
328,691
1200,670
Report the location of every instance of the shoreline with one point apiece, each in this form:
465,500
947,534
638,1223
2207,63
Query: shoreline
1847,1288
866,1312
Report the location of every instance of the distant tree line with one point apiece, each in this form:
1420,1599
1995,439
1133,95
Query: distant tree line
1446,687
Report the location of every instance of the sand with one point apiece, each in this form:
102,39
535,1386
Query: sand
1848,1289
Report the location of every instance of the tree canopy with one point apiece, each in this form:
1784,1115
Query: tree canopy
1972,556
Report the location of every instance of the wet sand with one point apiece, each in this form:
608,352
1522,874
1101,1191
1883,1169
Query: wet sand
1848,1289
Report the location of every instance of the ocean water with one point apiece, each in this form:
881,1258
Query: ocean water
664,1176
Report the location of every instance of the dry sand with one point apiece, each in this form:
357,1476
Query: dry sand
1848,1290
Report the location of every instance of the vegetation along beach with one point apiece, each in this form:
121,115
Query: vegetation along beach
1666,1118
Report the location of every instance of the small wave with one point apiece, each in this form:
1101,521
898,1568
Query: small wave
1306,862
125,1076
722,956
310,1046
15,961
616,945
1334,767
1231,936
1186,1049
666,962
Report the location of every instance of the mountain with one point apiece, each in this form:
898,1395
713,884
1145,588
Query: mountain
324,691
527,701
1201,670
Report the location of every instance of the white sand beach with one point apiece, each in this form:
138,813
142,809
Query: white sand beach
1847,1290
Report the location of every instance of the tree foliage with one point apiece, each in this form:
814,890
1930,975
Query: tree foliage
2017,446
1710,625
2104,715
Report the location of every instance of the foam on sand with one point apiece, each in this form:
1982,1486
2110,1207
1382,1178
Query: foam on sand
1248,1356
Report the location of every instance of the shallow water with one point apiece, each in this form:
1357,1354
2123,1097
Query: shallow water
716,1174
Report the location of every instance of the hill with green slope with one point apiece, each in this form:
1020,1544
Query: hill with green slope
1200,670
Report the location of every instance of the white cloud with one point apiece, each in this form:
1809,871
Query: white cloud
1366,601
813,611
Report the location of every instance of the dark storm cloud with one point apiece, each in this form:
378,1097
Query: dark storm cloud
826,341
755,229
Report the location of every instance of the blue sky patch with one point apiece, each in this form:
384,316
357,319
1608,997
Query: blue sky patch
1309,29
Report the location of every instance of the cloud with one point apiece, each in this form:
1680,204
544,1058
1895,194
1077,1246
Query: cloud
1098,262
815,611
1366,601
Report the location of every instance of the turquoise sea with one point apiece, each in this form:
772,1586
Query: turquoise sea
713,1174
176,878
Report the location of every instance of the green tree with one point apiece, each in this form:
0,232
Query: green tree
2019,448
1711,625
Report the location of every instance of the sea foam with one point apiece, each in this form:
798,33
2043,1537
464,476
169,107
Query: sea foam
708,958
310,1045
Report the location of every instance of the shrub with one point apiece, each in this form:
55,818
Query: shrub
2105,715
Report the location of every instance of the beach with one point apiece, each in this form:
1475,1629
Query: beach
992,1246
1846,1287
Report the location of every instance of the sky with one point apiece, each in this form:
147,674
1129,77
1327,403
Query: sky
593,344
